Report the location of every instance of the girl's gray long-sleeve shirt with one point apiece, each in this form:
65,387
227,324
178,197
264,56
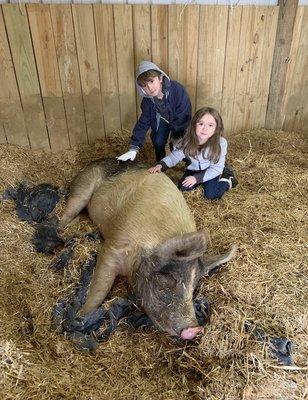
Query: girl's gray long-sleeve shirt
208,169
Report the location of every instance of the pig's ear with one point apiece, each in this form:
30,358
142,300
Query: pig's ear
213,263
185,247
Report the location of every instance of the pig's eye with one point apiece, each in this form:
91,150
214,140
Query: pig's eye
182,253
165,280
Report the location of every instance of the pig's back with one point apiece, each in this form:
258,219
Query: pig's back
148,208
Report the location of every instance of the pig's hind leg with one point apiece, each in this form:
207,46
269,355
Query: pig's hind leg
81,192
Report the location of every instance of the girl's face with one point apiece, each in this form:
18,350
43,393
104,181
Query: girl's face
205,128
153,87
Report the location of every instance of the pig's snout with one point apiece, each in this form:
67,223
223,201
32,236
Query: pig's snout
191,333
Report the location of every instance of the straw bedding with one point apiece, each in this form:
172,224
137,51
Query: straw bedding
266,285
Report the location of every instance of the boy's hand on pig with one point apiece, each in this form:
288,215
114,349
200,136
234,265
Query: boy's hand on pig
155,169
129,155
189,181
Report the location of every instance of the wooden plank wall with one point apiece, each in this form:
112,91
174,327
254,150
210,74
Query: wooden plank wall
67,71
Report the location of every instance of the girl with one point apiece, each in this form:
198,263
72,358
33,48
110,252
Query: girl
205,149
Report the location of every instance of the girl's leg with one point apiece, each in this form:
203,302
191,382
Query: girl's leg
159,139
214,189
228,175
184,188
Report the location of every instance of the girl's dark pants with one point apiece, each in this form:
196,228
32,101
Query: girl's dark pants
212,189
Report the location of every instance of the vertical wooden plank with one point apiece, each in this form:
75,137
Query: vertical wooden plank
254,40
89,74
183,46
64,37
269,16
243,69
286,18
125,62
142,33
46,60
142,38
159,28
24,62
231,62
259,72
289,119
12,123
296,106
247,67
104,26
211,55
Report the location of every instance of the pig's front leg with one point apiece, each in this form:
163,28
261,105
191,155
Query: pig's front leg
105,272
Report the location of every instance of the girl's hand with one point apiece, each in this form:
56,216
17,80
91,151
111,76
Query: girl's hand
189,181
155,169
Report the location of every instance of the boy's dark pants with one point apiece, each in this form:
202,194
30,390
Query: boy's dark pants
160,138
212,189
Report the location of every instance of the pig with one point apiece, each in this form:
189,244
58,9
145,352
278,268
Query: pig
150,237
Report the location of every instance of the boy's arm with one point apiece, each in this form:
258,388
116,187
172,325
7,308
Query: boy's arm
142,126
139,132
182,114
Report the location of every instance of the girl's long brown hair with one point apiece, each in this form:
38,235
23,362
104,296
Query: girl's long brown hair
190,144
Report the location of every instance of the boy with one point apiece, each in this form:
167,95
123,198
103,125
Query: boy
166,109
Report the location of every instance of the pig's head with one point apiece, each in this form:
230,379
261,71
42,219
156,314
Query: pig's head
165,282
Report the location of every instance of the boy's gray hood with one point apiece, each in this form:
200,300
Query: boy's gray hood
146,66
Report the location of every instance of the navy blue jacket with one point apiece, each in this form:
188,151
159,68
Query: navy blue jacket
179,107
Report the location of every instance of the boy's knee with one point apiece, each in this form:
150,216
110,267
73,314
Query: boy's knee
158,143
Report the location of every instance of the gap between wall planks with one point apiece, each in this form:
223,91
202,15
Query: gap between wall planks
67,72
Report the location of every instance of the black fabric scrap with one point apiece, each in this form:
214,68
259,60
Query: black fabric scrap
46,237
65,316
279,347
95,235
65,255
119,309
9,194
139,320
82,342
65,319
33,203
203,310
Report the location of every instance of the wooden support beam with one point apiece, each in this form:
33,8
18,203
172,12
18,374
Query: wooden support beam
287,13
